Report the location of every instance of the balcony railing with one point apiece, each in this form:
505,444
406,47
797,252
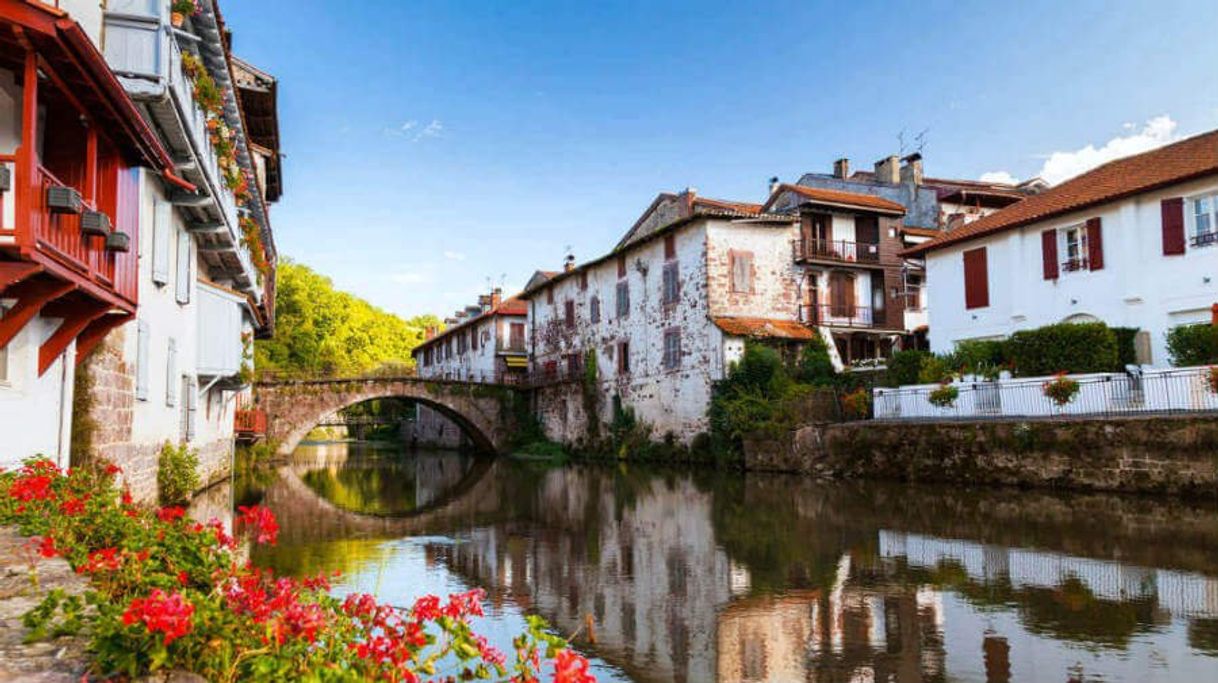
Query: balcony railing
512,346
1074,265
839,251
835,315
250,424
1204,239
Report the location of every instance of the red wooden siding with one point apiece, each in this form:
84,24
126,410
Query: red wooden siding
1095,243
1048,252
976,279
1173,226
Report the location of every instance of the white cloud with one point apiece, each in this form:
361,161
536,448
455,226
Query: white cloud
454,256
401,130
410,130
433,130
998,177
1059,165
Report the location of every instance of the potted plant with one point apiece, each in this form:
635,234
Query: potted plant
180,9
944,396
1211,379
1061,389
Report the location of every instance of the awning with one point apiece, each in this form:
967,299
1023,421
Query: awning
516,361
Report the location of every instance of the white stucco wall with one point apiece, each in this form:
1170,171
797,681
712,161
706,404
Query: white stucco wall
475,365
1138,286
35,412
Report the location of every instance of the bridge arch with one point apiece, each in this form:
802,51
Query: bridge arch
295,407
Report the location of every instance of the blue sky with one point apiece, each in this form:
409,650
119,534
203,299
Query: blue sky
435,146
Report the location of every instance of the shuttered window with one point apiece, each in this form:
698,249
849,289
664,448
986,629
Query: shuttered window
741,264
841,294
1048,253
162,215
192,406
623,358
568,313
1095,243
171,373
184,269
671,283
670,247
594,309
1172,211
141,360
976,279
672,348
623,299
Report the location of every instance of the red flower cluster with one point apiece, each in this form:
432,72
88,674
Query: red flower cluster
73,506
31,487
262,521
161,612
106,559
571,667
170,514
45,546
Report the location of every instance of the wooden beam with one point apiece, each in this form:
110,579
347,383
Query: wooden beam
31,298
97,330
12,272
76,317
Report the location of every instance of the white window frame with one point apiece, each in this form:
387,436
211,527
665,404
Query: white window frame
1194,233
1079,263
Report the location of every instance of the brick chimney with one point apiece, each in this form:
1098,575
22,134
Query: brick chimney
496,297
888,170
841,168
911,169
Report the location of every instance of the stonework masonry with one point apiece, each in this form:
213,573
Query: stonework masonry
1164,455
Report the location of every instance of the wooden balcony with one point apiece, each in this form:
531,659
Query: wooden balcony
249,424
837,315
835,251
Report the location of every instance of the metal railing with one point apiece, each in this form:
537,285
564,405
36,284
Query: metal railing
836,250
1204,239
1152,392
250,422
836,315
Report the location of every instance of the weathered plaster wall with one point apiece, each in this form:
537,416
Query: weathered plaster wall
474,365
1177,455
776,278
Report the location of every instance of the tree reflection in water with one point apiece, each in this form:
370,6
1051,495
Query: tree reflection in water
701,576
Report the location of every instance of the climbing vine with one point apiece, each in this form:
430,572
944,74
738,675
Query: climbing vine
590,392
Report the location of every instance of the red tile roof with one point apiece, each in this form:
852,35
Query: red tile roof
854,200
515,306
1185,160
920,232
765,327
738,207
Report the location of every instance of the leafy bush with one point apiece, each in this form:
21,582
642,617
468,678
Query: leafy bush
934,370
177,475
905,367
857,404
981,356
1064,347
814,365
1193,345
1127,351
1211,379
167,593
944,396
1061,389
757,395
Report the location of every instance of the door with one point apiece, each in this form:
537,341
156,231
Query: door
841,294
811,299
867,237
817,234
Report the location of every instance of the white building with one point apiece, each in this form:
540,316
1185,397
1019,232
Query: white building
484,343
1130,243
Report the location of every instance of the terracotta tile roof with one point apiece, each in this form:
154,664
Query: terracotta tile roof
514,306
836,197
920,232
765,327
738,207
1191,158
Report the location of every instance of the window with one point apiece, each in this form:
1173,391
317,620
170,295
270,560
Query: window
142,334
1205,221
670,247
551,369
841,294
976,279
171,373
583,280
516,337
671,283
473,340
672,348
623,358
462,343
182,287
162,216
621,266
568,313
1074,246
741,263
550,295
594,309
427,357
623,299
913,292
572,364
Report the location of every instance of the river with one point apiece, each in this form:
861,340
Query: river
698,575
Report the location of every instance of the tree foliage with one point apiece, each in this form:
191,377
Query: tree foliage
321,330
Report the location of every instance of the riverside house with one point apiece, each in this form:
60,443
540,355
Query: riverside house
165,223
1132,243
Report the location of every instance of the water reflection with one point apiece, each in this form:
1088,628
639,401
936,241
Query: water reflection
698,576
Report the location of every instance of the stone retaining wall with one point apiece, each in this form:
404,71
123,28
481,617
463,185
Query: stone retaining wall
1176,455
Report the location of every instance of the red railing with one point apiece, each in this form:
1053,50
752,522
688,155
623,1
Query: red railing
836,250
836,315
250,422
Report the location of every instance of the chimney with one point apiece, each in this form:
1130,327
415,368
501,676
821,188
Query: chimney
773,185
911,171
496,297
568,264
841,168
888,170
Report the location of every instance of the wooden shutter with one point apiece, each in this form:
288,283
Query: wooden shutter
1095,243
162,216
1173,226
841,294
976,279
141,360
1048,253
171,373
866,229
183,283
192,406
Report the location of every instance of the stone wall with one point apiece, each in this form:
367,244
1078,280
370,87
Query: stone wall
430,429
1176,455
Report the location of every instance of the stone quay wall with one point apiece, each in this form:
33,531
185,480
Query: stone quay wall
1162,455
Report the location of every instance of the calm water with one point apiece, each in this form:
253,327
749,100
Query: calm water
670,575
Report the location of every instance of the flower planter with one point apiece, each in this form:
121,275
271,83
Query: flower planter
94,224
118,242
177,19
62,199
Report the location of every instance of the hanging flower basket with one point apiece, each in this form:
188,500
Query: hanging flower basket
180,9
944,397
1211,379
1061,390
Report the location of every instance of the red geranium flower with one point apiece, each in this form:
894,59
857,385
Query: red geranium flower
571,667
262,521
170,514
161,612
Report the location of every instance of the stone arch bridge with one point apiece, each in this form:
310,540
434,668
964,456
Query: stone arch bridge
486,412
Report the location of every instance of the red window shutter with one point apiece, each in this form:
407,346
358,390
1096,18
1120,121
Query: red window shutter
976,279
1095,243
1173,226
1048,252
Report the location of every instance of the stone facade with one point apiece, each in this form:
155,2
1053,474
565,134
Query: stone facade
1173,455
430,429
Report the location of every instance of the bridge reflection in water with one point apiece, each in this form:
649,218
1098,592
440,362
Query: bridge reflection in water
699,576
